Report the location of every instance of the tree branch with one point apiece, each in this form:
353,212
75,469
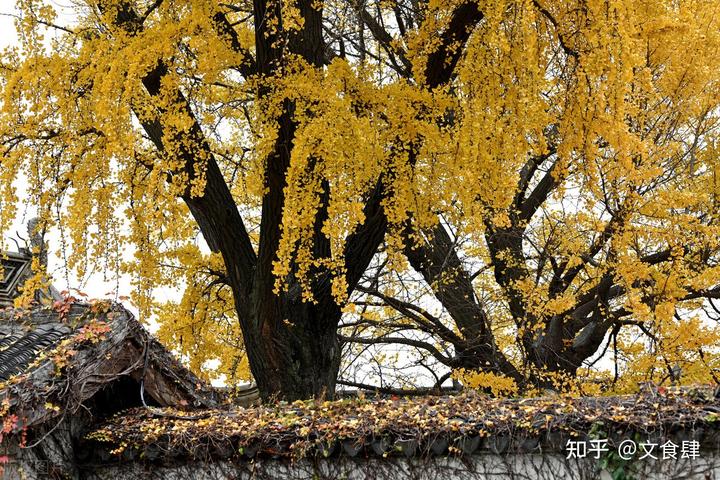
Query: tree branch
441,63
417,314
442,358
215,210
384,39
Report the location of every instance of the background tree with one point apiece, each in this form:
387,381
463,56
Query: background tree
611,244
547,169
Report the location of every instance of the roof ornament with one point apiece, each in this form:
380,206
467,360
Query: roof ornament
37,246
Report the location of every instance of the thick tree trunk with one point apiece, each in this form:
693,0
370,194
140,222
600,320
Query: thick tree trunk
293,349
292,346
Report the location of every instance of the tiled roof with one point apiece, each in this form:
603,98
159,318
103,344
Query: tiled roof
19,347
25,334
66,354
458,425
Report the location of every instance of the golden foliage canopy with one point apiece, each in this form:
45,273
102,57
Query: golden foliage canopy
588,128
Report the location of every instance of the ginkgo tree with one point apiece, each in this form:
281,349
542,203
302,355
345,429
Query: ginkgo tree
548,169
608,233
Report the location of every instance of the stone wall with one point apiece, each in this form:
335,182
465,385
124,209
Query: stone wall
548,466
52,458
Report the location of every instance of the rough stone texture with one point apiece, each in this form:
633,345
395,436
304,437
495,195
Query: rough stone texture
52,458
549,466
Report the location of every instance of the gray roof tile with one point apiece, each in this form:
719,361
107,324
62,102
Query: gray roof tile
18,350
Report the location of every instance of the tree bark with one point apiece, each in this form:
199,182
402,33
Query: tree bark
438,262
292,345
